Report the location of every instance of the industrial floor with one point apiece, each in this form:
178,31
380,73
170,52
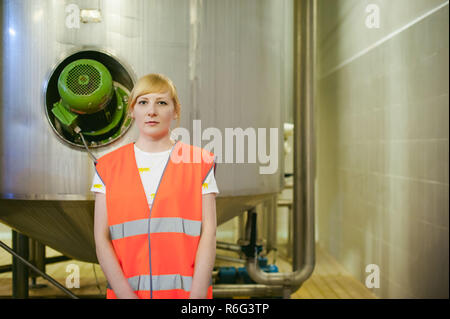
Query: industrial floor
328,281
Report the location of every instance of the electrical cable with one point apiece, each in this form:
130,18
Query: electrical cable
78,131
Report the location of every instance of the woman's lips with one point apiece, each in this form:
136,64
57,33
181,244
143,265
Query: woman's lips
151,123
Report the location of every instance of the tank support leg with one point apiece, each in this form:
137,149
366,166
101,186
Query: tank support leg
20,270
37,258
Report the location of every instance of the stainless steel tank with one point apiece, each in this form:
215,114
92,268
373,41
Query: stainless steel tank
227,59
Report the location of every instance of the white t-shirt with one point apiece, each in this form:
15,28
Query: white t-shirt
151,166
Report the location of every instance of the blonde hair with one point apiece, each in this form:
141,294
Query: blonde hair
154,83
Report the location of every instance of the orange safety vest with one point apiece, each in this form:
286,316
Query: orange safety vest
156,246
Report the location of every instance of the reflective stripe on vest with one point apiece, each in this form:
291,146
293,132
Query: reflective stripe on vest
155,246
157,225
161,282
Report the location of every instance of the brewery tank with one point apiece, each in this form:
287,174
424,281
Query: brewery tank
228,60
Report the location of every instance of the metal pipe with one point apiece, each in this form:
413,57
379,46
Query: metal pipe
50,279
267,225
304,155
272,224
227,258
228,246
253,290
241,227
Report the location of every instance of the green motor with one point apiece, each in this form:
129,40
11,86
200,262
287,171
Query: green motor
85,86
90,102
86,99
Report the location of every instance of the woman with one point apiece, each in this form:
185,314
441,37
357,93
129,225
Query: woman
155,215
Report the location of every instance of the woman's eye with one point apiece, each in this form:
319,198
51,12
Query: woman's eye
142,101
163,102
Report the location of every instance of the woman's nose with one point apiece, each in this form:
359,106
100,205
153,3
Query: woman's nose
152,108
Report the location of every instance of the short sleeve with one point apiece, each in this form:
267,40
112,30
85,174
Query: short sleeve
97,184
210,185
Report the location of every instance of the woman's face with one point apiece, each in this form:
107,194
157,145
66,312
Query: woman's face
157,108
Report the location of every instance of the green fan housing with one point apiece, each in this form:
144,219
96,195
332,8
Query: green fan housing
85,86
86,91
